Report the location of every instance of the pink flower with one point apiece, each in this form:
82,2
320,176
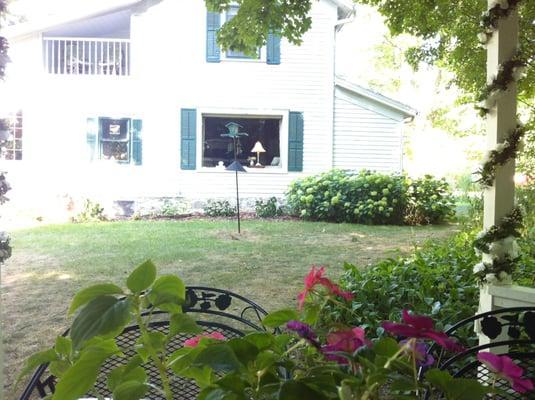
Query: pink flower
193,342
315,277
505,368
344,341
421,327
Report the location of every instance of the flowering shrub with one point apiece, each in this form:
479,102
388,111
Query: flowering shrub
307,360
370,198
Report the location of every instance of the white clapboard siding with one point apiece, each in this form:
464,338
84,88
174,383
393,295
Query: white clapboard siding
365,138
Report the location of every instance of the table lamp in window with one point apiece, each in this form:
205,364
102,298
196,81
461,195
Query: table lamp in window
258,148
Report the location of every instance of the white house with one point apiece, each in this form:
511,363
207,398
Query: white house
131,102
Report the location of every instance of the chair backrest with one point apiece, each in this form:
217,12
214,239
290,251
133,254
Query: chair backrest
511,332
215,310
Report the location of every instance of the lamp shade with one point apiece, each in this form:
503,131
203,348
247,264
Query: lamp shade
258,148
235,166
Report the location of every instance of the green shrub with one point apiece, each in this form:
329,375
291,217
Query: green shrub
92,212
219,208
268,208
436,280
370,198
429,201
172,208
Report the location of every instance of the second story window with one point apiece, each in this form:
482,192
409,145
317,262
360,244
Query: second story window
231,13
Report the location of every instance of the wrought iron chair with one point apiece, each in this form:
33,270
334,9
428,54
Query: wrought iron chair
512,333
215,310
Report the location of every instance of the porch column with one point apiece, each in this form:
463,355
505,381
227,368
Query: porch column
499,199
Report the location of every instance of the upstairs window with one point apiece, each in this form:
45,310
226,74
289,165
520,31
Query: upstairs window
231,13
12,149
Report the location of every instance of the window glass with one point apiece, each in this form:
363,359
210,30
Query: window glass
218,148
115,139
12,149
231,13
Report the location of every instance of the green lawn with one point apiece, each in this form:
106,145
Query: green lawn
266,263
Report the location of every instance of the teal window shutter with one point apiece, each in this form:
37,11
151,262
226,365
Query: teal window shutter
212,47
273,49
188,137
137,148
295,141
91,137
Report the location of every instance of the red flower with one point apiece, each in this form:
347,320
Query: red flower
315,277
344,341
505,368
421,327
193,342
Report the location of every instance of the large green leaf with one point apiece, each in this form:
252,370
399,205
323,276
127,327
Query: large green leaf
102,316
35,360
183,323
82,375
167,289
142,277
130,390
123,374
63,346
219,357
278,318
84,296
294,390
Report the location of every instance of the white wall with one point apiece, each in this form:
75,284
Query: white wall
365,138
169,72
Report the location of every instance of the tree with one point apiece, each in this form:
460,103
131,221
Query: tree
448,32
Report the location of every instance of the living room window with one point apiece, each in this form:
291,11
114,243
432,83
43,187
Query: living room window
218,150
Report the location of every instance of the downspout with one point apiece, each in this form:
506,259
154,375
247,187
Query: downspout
350,17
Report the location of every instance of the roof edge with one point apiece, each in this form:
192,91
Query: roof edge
405,109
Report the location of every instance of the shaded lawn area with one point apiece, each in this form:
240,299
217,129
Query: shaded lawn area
266,263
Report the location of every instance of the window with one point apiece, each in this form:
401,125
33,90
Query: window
114,139
231,13
12,150
217,148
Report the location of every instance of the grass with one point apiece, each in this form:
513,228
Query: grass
266,263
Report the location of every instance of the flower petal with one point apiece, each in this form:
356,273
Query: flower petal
418,321
522,385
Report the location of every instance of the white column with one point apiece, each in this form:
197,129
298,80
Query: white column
499,199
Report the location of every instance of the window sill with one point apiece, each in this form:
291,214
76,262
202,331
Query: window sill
243,60
251,170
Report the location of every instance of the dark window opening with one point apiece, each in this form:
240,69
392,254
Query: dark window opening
217,148
114,139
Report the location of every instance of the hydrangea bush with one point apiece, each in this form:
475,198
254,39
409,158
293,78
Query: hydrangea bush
305,359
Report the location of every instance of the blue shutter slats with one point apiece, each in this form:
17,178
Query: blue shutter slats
212,47
137,147
91,137
188,136
273,49
295,141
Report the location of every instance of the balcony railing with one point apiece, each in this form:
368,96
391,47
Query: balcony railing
82,56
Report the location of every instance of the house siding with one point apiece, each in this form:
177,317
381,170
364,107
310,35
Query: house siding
365,138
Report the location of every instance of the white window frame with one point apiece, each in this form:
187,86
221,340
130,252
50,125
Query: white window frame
282,168
223,54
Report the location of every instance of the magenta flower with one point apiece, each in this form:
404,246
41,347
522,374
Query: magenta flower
194,342
344,341
315,277
420,327
303,330
505,368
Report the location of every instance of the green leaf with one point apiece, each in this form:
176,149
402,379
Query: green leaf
466,389
262,340
244,350
386,347
156,340
59,367
439,379
181,359
183,323
167,289
294,390
312,312
201,375
130,390
84,296
124,374
219,357
142,277
82,375
63,346
35,360
278,318
102,316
